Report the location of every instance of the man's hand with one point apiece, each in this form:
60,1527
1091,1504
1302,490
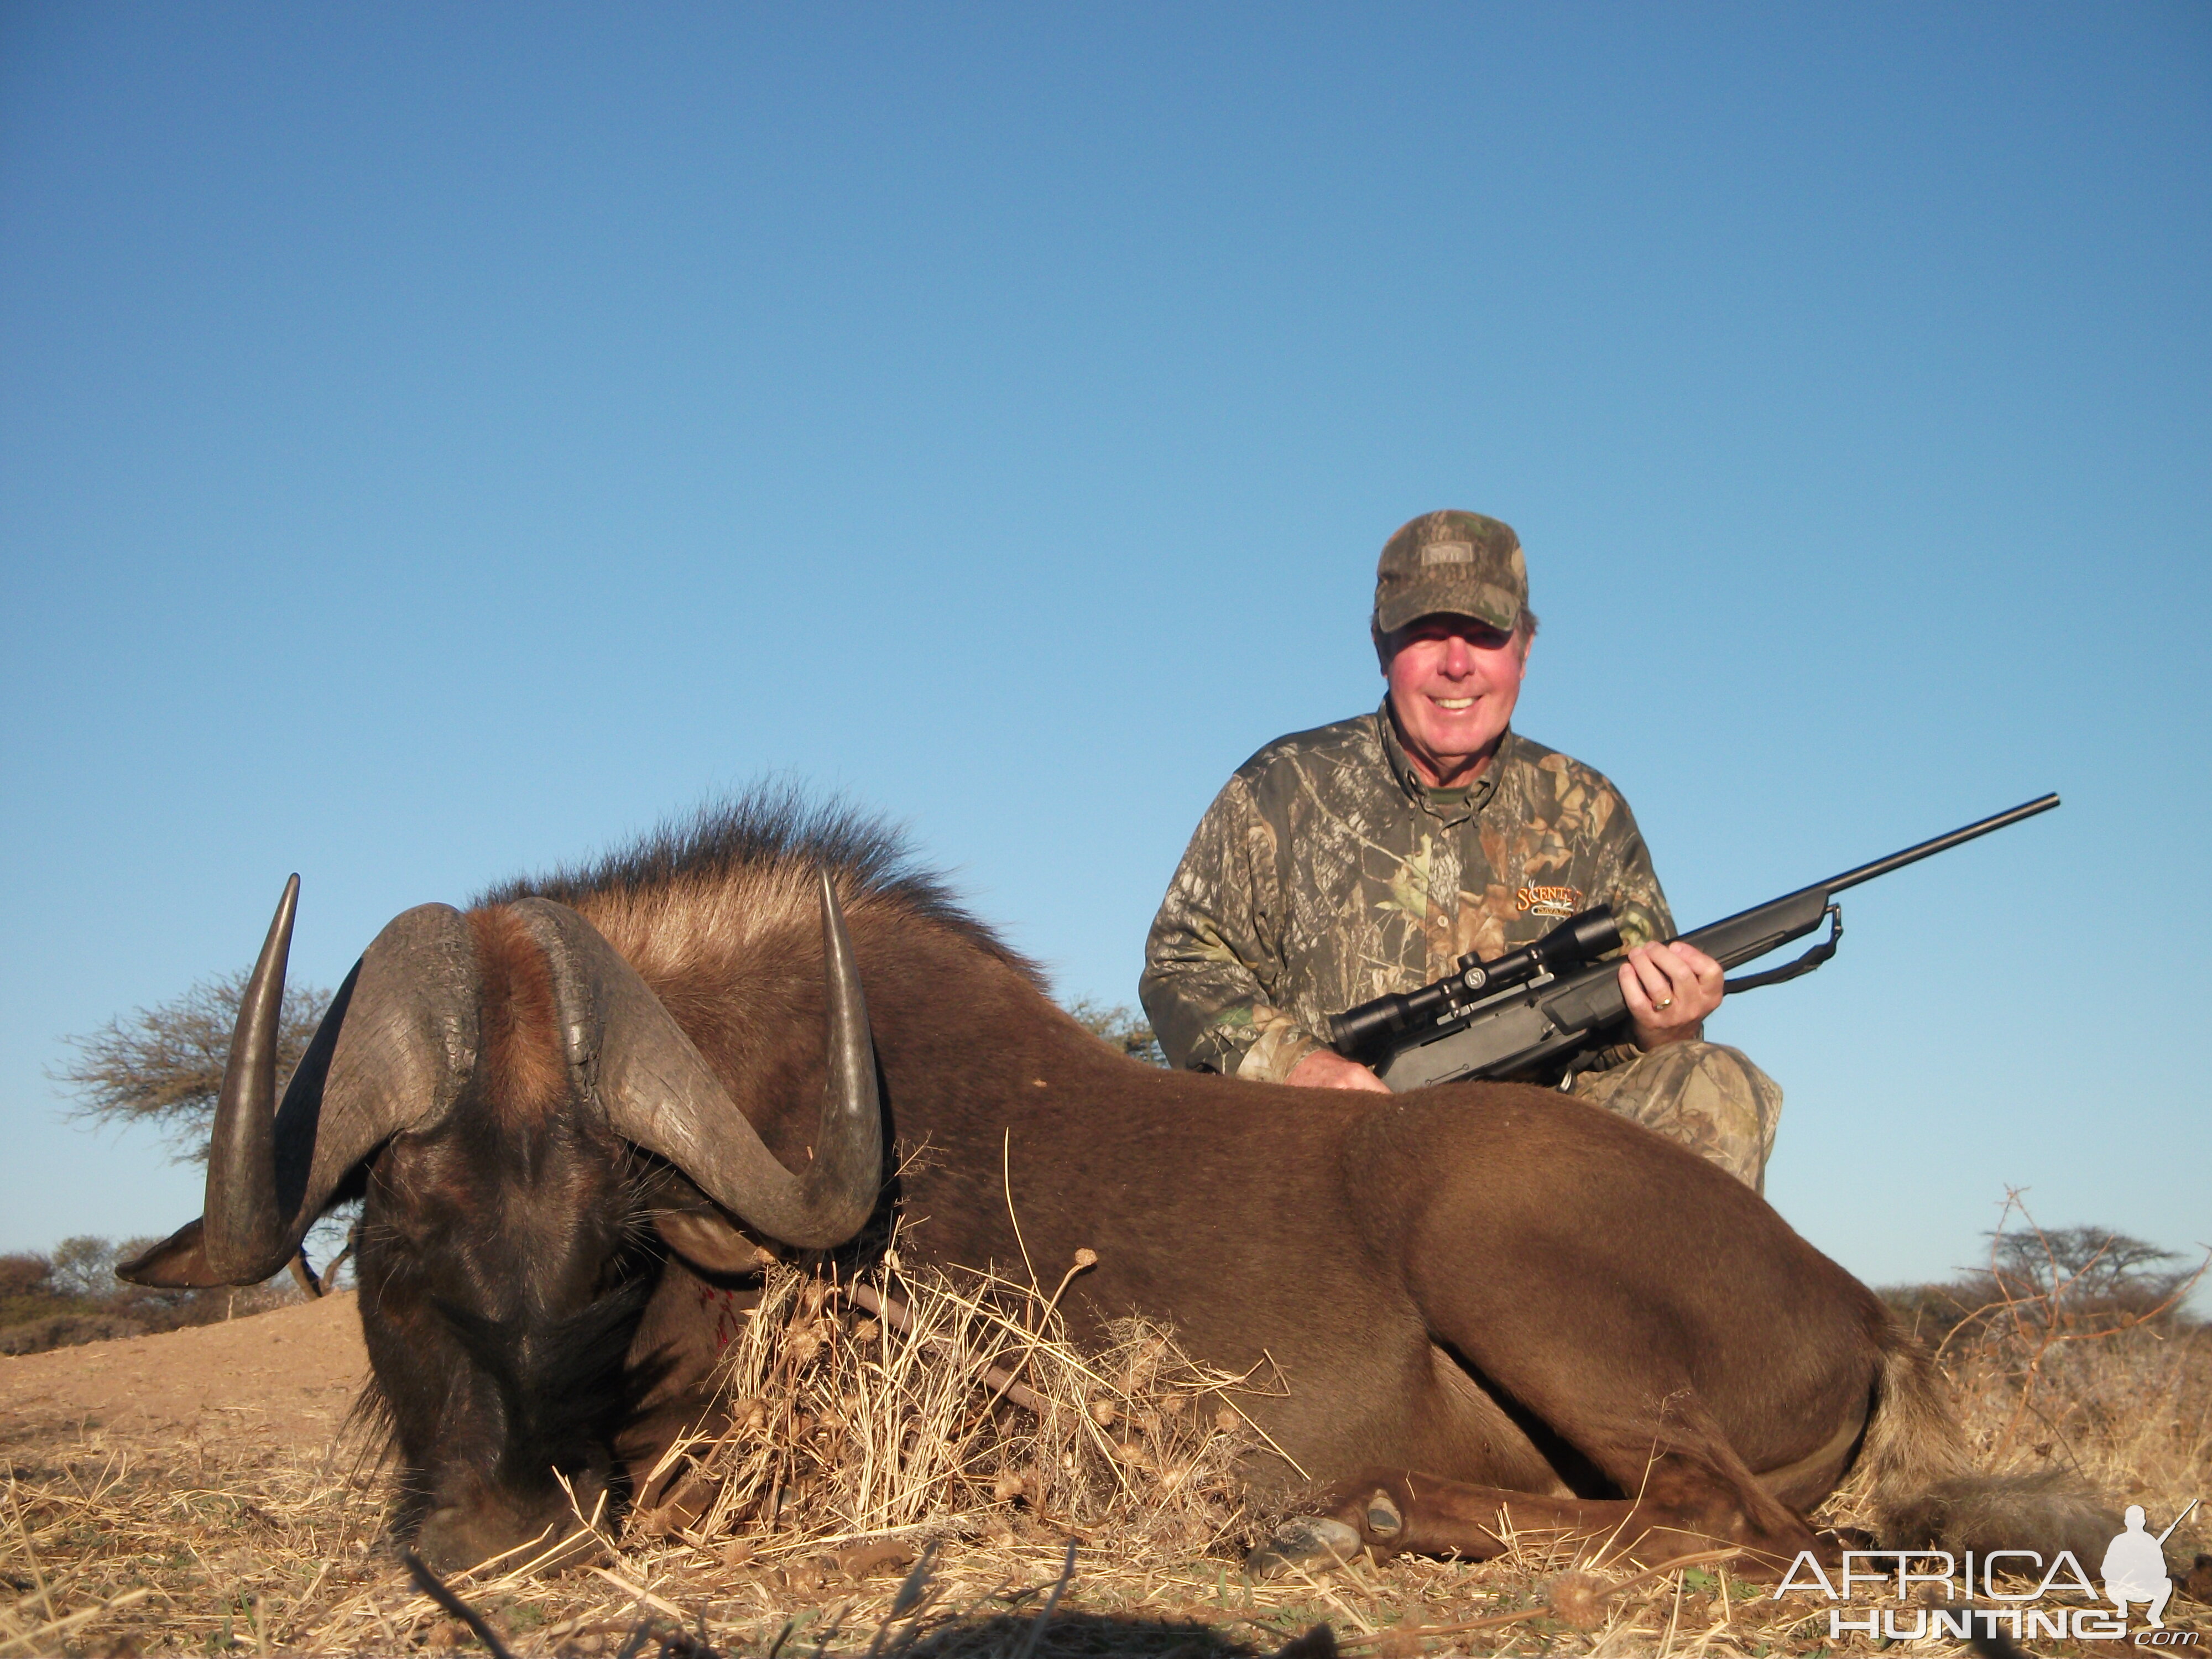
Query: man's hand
1669,990
1325,1068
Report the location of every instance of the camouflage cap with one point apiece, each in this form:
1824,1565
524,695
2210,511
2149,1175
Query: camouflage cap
1459,564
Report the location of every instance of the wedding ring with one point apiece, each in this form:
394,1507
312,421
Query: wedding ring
1664,1002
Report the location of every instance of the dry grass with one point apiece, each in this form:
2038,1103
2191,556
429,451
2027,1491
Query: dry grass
882,1493
909,1406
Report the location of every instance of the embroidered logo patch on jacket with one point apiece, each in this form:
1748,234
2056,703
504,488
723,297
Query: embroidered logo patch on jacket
1560,902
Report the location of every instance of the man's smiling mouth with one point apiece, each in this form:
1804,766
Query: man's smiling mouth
1453,702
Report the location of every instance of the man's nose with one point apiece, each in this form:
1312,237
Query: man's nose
1459,658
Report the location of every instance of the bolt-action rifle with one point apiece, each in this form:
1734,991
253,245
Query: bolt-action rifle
1551,998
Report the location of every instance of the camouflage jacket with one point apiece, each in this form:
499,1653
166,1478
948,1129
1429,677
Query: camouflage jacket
1326,874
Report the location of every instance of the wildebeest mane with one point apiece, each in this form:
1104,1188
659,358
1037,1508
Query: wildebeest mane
750,859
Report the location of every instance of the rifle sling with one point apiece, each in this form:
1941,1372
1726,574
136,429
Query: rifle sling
1788,970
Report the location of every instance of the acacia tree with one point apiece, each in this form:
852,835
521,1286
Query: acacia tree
83,1267
163,1066
2082,1271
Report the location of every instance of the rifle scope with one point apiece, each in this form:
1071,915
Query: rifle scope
1577,940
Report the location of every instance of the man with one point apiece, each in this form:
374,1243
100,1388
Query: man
1370,856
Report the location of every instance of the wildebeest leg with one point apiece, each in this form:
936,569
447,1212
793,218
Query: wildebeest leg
1692,1493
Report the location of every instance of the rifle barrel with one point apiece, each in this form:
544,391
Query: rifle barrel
2177,1520
1942,844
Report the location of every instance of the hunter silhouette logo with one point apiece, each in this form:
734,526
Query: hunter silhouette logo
2135,1567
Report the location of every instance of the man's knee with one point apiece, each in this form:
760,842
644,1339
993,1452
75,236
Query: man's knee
1708,1096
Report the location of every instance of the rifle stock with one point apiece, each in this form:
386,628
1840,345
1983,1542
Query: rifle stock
1519,1031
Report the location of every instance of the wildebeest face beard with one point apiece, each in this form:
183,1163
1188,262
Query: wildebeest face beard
503,1279
563,1384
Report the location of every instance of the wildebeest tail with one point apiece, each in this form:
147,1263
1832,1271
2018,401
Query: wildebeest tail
1926,1493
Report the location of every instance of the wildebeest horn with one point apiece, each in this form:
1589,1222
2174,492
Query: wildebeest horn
392,1054
241,1188
658,1093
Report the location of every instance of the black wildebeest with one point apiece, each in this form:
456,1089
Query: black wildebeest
1493,1306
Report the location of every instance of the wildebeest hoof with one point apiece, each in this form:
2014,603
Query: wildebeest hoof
1309,1543
1383,1520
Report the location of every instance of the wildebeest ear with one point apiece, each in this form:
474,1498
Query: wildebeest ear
690,1224
178,1263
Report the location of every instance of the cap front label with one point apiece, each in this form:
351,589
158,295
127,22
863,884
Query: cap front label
1448,553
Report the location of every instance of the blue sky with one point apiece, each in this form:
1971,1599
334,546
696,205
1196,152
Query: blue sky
437,442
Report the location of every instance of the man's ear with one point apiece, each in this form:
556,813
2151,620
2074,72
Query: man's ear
1383,649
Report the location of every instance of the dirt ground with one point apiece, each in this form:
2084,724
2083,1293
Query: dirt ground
178,1491
285,1378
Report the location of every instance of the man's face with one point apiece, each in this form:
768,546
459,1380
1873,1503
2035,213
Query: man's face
1453,683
